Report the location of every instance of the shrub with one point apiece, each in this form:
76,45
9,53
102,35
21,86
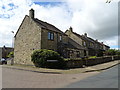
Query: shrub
11,55
92,57
40,59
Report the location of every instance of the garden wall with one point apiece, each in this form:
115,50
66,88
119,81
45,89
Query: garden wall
90,62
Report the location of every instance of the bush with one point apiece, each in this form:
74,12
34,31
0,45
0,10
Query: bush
11,55
92,57
40,59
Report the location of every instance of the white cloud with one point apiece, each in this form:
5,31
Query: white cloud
94,17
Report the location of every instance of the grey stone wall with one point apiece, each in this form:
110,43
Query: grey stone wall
27,40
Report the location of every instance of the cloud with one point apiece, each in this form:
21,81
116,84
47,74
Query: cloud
94,17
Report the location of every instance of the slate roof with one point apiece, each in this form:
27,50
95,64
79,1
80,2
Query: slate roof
47,26
89,39
44,25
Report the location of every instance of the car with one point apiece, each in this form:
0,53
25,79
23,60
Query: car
3,61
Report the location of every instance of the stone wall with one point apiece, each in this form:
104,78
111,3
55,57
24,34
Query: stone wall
27,40
74,63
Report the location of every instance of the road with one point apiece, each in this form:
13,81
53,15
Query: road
13,78
106,79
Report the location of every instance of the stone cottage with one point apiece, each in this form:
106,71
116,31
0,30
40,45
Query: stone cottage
35,34
91,47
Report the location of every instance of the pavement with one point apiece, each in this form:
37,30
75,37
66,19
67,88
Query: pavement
98,68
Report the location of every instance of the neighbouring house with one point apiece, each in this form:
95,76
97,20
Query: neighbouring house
4,51
91,47
35,34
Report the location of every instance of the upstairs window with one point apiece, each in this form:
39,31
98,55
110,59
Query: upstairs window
60,38
50,36
84,43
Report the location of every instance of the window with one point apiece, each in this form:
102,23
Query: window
60,38
84,43
50,36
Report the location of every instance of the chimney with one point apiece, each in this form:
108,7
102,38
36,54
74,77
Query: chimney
71,29
85,34
97,40
31,13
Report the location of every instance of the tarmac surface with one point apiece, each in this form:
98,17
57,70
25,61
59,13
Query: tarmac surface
13,78
30,77
106,79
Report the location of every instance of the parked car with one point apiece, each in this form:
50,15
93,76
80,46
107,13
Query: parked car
3,61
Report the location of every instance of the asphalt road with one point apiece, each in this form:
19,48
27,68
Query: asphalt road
14,78
106,79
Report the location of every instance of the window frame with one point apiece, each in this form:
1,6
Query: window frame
60,37
50,36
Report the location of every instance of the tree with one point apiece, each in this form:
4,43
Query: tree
112,52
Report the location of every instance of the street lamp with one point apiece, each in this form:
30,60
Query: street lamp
12,61
12,39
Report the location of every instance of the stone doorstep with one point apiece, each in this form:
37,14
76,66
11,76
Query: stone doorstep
69,71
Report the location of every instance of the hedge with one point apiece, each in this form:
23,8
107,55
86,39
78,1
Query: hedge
41,58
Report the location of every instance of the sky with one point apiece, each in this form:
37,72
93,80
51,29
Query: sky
95,17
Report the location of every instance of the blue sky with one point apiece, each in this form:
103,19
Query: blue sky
48,3
94,17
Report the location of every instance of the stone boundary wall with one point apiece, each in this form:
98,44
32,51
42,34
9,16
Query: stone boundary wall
74,63
90,62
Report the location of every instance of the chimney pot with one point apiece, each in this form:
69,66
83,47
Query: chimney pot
31,13
71,29
85,34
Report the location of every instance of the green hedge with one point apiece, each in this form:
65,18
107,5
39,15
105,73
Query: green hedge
40,59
